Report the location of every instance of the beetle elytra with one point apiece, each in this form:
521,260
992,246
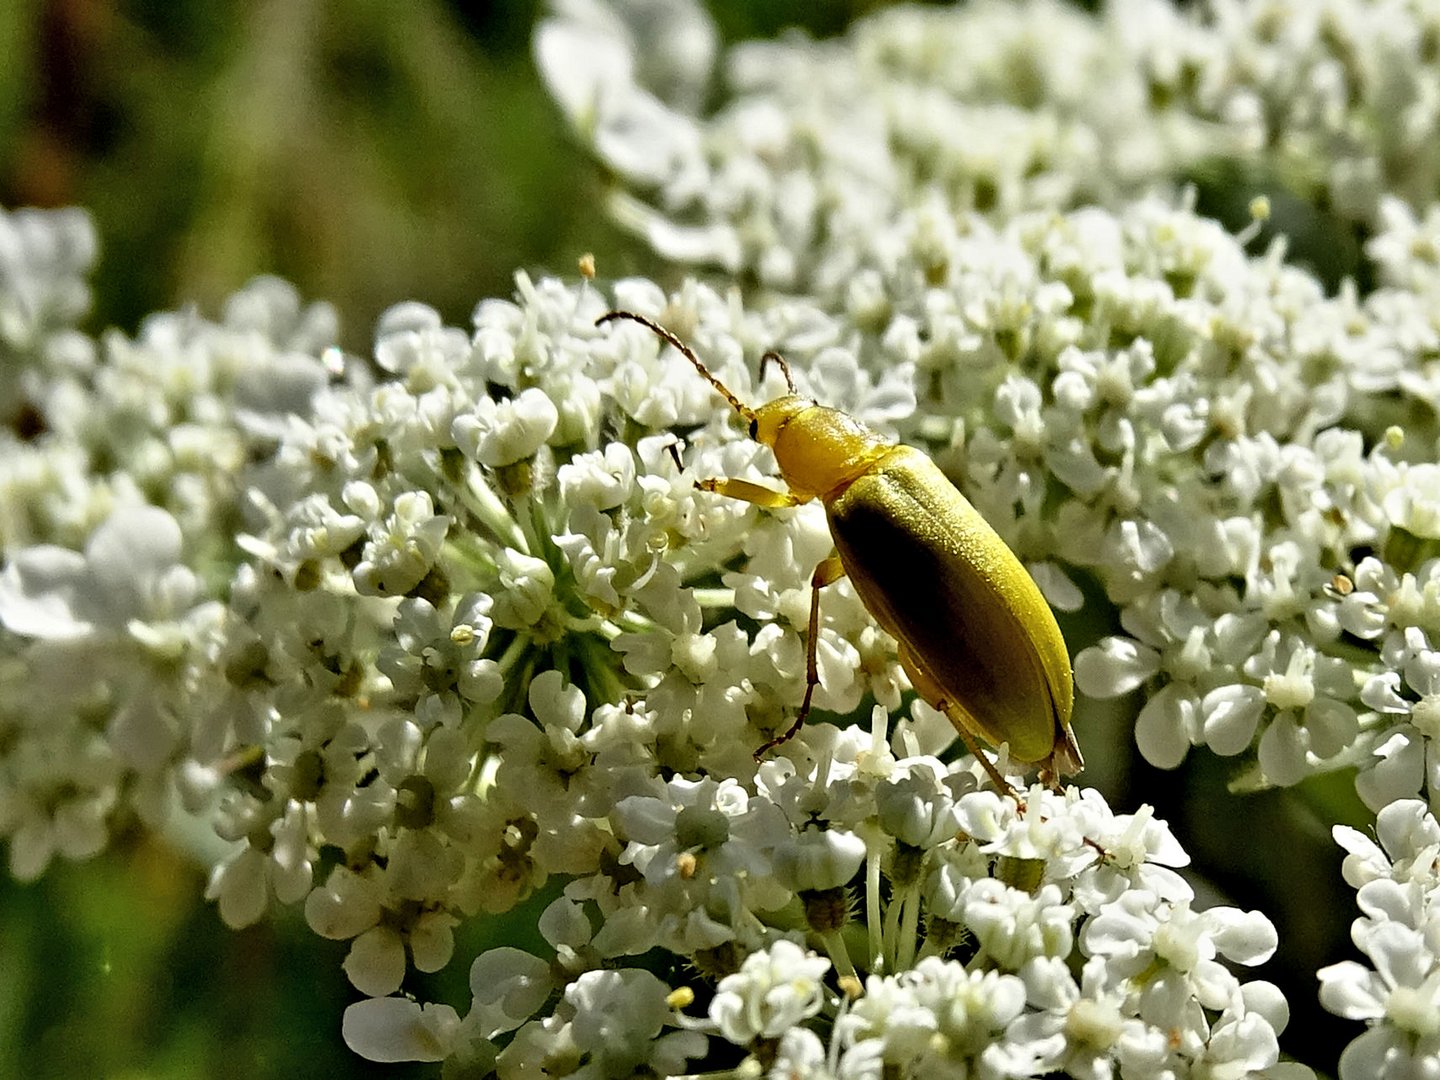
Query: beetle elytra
976,637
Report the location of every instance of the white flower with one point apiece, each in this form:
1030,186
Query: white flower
130,572
1082,1028
399,555
815,859
438,655
937,1016
502,433
58,787
774,990
1402,994
699,829
549,760
916,809
617,1020
526,590
1138,931
1400,997
244,883
1414,504
1012,927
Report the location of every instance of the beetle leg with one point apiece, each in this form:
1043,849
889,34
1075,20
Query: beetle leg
745,491
1064,760
830,570
927,688
673,449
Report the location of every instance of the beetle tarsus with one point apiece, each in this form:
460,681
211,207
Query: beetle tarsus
793,729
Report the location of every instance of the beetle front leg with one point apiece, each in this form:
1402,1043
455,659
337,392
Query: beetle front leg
745,491
830,570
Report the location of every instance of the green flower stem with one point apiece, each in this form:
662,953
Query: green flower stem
839,955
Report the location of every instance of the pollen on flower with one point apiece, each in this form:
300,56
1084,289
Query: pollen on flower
1425,715
1289,689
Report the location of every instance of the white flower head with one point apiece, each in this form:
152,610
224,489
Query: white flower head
130,571
775,990
502,433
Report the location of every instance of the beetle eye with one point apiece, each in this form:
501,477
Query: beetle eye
755,429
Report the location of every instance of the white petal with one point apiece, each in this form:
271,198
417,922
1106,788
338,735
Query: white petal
128,554
141,734
1282,752
392,1029
579,64
38,593
1406,827
79,827
1063,593
376,962
242,889
508,985
1399,954
1350,990
1365,861
343,907
432,940
1230,714
1268,1000
1162,730
1115,666
1382,693
1246,937
1249,1041
1332,725
32,846
564,922
1382,1053
1395,773
643,819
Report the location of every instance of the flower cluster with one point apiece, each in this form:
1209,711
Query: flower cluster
1398,890
1340,99
481,630
122,475
1241,459
421,633
1022,942
995,107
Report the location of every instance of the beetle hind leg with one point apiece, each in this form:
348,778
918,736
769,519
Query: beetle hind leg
1064,760
830,570
934,696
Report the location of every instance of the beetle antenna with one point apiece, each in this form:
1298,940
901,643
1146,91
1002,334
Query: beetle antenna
784,368
689,354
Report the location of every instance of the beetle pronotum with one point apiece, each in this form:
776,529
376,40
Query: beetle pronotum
976,637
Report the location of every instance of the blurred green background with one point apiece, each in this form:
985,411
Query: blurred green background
372,152
366,150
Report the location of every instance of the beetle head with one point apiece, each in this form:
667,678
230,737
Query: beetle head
819,450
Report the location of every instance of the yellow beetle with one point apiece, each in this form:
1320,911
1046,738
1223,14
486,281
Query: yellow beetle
975,635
